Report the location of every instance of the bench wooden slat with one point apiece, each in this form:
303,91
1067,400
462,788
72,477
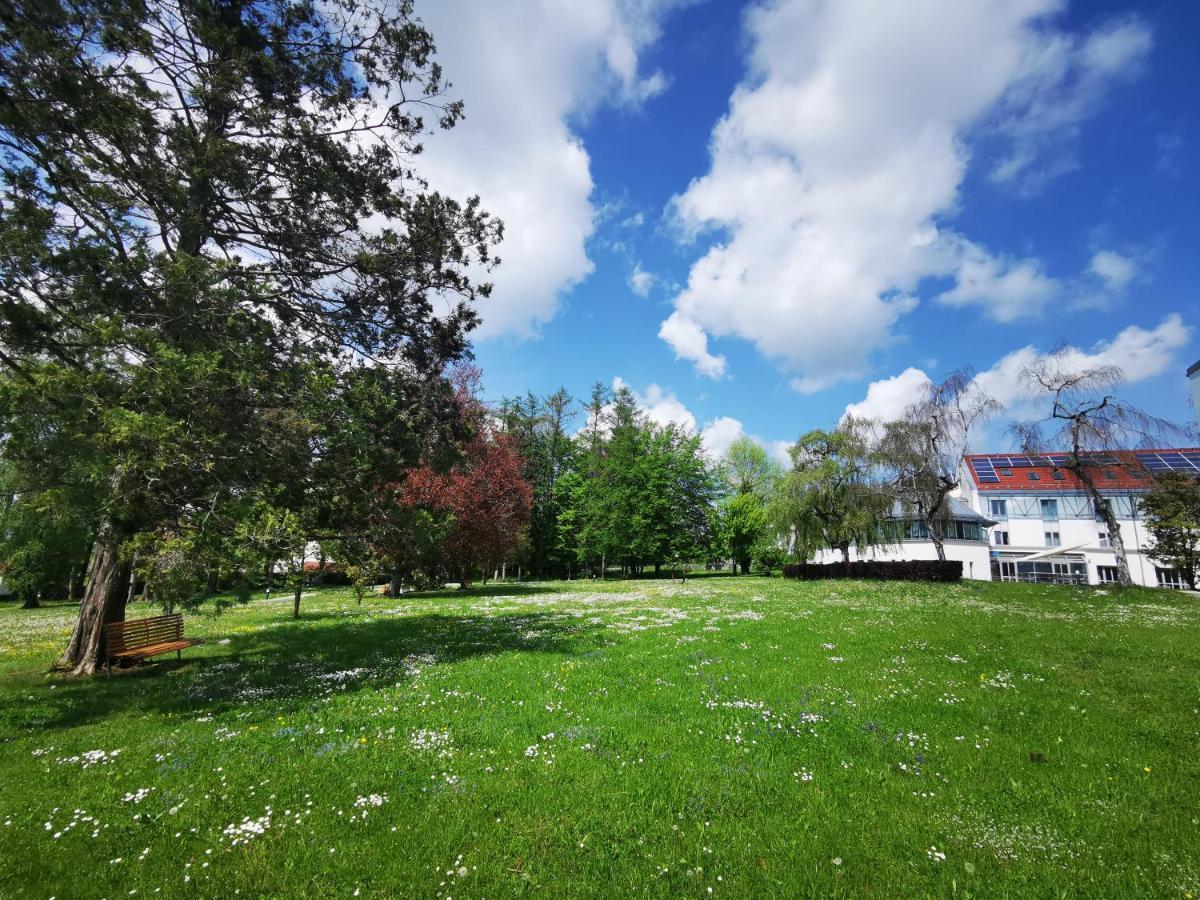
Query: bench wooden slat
155,649
141,638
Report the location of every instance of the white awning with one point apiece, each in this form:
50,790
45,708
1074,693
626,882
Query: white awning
1051,551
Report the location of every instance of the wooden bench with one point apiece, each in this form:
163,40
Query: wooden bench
142,638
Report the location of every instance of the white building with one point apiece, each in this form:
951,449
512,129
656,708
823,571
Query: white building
965,535
1022,518
1046,527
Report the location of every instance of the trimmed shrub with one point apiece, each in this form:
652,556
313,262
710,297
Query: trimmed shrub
907,570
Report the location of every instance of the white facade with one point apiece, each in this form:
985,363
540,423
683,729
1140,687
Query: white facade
966,542
1049,533
1060,528
974,555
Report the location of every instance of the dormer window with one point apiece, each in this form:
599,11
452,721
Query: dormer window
1007,472
1032,476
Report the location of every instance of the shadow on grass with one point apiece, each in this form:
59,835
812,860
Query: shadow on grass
292,662
494,589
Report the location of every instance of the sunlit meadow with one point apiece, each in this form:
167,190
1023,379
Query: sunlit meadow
721,737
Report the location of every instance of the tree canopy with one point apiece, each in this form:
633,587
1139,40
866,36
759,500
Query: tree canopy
212,222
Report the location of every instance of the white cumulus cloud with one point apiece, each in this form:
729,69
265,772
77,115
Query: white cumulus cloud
1113,269
641,281
661,406
887,398
525,69
1139,353
843,151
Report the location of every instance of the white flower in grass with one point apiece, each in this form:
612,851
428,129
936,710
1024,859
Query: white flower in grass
935,854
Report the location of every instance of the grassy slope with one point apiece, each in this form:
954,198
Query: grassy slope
637,739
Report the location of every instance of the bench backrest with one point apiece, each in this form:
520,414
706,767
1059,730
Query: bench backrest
143,632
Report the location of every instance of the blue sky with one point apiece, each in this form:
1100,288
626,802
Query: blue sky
759,215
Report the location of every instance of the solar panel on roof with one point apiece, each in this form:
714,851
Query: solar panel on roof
1169,460
984,471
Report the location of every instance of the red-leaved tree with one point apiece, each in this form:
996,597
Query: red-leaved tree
487,497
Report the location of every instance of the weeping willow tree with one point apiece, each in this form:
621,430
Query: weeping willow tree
831,497
924,448
1086,423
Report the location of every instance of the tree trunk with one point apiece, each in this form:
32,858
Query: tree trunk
33,600
103,603
213,582
1104,508
938,544
744,564
394,584
296,598
845,548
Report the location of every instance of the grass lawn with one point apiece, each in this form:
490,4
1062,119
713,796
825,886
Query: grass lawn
729,737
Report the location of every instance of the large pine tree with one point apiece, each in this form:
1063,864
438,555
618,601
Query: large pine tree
209,214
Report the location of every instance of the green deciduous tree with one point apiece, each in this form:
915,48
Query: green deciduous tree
748,469
742,521
1172,511
831,497
43,549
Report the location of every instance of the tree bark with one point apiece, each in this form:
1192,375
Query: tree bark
1104,508
938,544
33,600
296,598
103,603
394,584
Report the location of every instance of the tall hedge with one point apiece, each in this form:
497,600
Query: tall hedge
907,570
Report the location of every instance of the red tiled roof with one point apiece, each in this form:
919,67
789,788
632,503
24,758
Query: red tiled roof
1126,473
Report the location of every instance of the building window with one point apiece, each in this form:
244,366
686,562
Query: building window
1170,578
1110,474
999,509
1052,539
1107,574
1032,476
1104,542
1001,537
1050,510
1057,475
1007,472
